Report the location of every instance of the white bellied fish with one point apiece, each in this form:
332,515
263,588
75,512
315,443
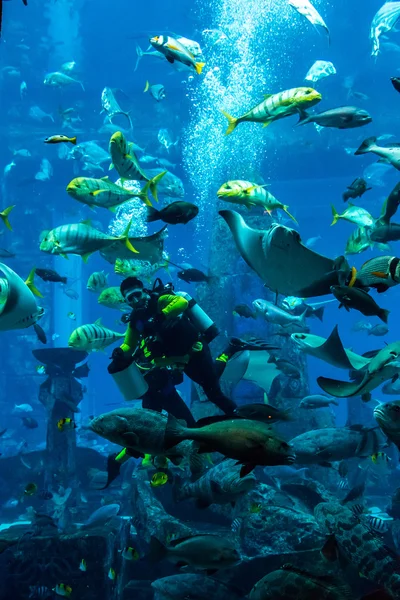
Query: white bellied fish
388,154
384,20
174,50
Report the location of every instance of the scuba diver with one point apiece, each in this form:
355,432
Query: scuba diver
168,336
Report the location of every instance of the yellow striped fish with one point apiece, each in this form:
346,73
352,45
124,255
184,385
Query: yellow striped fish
93,337
277,106
250,194
80,238
126,163
104,193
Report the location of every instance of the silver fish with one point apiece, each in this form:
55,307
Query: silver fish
384,20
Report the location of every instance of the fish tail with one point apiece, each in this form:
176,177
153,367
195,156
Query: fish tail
157,550
73,140
232,122
139,53
4,215
384,315
319,313
199,67
365,146
152,214
125,237
335,215
174,432
144,194
31,284
153,184
285,208
147,87
335,402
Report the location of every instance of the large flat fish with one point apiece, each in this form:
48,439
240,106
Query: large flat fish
384,20
330,350
150,248
280,259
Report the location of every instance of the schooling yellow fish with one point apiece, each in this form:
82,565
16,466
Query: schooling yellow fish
277,106
159,479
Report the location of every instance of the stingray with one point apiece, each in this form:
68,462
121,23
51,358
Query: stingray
253,366
150,248
278,256
385,365
330,350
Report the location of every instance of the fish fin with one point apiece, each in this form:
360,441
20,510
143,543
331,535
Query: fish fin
268,96
304,117
199,67
335,215
111,166
174,432
87,222
267,123
64,255
97,192
365,146
266,399
125,237
31,285
384,315
147,87
380,274
232,122
285,209
73,140
152,214
330,549
85,257
153,184
4,216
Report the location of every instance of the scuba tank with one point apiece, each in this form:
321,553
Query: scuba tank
199,318
129,380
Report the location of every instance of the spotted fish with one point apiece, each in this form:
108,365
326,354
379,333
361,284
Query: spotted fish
353,539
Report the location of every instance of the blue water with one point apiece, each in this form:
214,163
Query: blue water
269,48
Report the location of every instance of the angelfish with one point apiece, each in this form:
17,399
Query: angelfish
305,8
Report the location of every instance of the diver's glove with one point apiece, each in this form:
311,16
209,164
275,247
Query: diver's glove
120,360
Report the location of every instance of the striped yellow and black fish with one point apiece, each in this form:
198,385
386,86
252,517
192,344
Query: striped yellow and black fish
250,194
93,337
277,106
80,238
104,193
381,273
126,163
351,538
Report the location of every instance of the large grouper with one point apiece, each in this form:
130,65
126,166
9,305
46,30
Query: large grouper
250,442
140,430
